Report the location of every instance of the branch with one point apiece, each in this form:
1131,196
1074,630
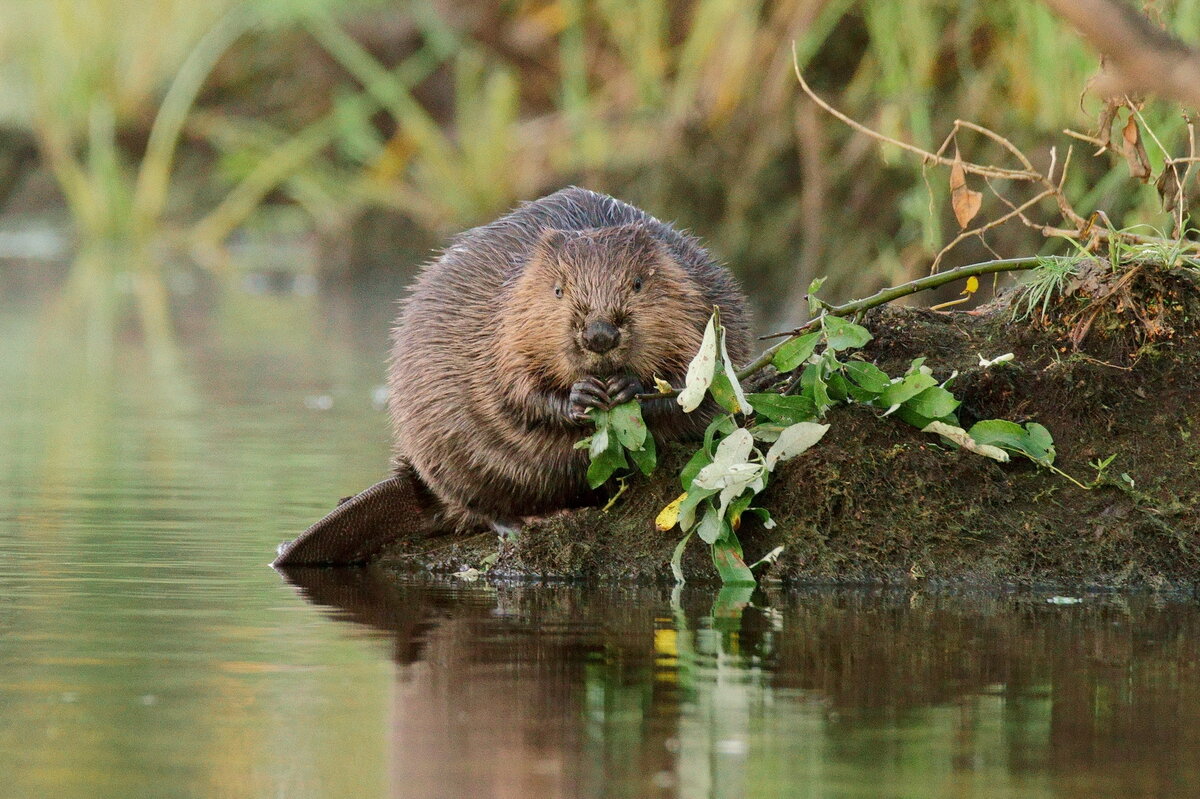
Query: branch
878,298
1139,57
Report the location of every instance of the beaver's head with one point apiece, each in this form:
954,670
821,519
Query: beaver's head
603,301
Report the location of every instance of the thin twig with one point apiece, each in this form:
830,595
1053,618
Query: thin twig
979,231
975,169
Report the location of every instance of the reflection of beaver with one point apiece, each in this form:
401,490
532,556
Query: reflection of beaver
574,301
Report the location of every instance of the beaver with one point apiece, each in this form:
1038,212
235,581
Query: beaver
571,302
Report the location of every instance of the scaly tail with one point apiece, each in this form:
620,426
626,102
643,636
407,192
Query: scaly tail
360,527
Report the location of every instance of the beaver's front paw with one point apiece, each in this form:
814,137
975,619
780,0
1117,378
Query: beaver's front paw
623,388
587,393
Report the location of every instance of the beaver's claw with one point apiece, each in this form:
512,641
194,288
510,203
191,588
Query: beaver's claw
623,388
589,392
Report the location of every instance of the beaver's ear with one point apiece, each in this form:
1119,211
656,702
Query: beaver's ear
550,243
642,244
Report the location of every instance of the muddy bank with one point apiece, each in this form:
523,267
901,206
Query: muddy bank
1110,370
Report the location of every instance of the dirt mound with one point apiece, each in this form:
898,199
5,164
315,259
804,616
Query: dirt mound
1109,366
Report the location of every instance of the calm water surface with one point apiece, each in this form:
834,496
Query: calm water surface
146,649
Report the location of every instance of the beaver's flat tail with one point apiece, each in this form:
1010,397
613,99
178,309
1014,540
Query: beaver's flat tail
361,526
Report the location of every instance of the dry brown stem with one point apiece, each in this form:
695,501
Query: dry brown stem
1139,57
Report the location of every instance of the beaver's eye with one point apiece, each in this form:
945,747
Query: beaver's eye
558,292
637,284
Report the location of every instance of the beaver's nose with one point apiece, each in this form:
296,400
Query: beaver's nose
600,336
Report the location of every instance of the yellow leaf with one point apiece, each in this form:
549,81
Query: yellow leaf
972,286
668,517
662,385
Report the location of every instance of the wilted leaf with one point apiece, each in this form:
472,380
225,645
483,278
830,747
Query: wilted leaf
795,351
668,517
1168,188
710,526
1135,151
794,440
662,385
677,559
961,437
735,448
843,335
599,442
965,202
986,363
700,371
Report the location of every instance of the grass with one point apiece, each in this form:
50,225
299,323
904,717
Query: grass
689,109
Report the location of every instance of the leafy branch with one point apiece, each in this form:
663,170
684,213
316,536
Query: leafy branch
757,431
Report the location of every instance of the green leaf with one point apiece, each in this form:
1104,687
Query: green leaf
1033,441
602,467
906,414
868,376
645,458
687,508
795,352
820,393
723,425
912,385
784,409
606,462
739,403
727,558
998,431
626,421
693,467
839,388
723,392
934,402
737,507
843,335
1041,444
815,305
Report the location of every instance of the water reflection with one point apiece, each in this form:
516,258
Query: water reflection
572,691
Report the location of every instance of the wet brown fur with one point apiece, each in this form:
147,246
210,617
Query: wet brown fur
485,353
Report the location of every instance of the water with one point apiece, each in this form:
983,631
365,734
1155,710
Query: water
146,649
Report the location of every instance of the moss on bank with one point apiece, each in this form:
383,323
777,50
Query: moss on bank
1110,371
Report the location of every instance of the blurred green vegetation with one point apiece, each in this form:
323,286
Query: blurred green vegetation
193,121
